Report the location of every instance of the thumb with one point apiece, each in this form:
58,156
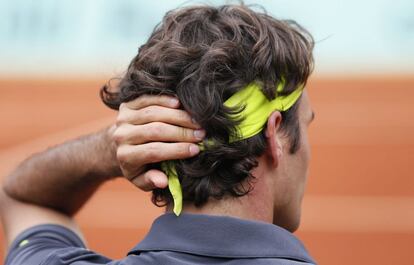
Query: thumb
150,180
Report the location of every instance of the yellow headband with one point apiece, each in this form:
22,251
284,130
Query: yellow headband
254,115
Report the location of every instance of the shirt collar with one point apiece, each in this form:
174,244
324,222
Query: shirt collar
220,236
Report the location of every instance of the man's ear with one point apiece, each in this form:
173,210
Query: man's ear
273,142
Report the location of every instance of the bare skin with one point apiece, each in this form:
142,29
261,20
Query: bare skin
35,188
144,126
53,185
280,179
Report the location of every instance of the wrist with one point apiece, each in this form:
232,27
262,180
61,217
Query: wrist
105,164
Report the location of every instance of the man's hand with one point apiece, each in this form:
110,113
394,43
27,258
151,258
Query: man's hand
51,186
151,129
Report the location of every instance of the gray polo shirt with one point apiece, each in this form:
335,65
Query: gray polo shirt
188,239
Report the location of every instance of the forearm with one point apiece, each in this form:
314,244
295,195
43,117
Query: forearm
65,176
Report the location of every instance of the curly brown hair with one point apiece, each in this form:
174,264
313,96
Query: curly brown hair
203,55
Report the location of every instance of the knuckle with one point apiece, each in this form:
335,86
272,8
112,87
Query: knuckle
152,153
126,116
156,130
120,119
182,133
150,156
185,134
148,113
123,106
117,136
180,150
122,156
184,150
190,134
141,100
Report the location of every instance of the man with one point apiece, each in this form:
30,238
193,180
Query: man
234,188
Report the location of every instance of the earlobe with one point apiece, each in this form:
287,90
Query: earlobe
274,145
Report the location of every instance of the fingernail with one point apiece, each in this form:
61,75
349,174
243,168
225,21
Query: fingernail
199,134
194,149
174,102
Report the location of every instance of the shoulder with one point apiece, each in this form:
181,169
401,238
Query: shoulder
50,244
173,257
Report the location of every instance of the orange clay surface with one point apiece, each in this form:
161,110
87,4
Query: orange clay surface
359,205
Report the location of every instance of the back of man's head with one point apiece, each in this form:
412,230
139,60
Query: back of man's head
203,55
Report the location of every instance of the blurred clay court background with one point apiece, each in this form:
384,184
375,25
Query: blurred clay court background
359,205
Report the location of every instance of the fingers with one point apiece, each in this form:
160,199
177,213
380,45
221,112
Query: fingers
149,100
152,179
156,132
152,129
156,113
133,157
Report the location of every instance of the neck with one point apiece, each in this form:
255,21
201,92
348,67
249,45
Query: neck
257,205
